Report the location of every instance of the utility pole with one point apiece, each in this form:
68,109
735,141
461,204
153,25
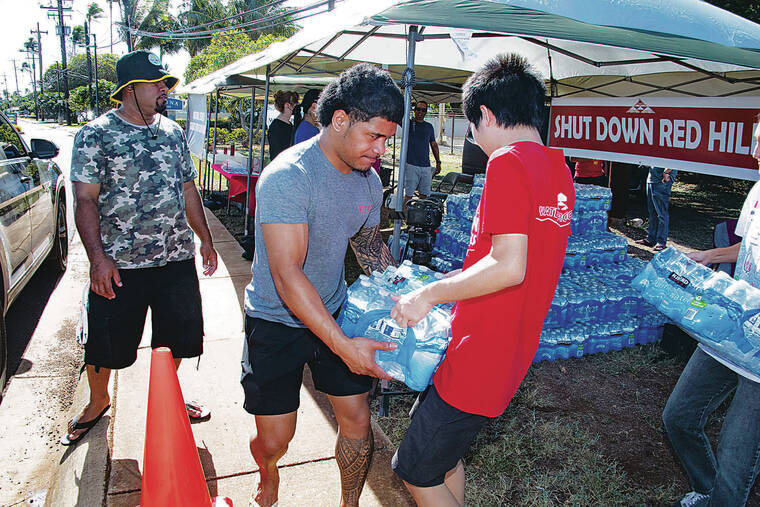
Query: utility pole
7,100
89,66
16,75
39,50
110,28
61,30
30,50
39,54
97,97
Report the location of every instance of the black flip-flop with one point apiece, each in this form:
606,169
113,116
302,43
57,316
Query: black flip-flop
86,426
194,406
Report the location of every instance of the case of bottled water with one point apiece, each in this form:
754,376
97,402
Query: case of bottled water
419,349
717,310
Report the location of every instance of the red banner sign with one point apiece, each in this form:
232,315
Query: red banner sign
706,135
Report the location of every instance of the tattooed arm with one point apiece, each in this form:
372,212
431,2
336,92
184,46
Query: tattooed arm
371,253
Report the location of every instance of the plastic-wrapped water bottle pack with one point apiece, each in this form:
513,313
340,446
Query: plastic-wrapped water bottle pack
598,249
420,349
717,310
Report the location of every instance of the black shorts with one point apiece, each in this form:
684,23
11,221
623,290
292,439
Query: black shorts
273,359
437,438
115,326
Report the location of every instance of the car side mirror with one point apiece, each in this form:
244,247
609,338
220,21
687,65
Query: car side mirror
43,148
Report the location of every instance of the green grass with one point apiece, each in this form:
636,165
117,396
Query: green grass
547,451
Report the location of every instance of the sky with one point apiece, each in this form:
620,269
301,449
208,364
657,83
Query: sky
21,16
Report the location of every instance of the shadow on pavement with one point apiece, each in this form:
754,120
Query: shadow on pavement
24,315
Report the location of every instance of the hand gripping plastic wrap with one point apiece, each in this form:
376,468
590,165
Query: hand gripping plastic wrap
717,310
419,349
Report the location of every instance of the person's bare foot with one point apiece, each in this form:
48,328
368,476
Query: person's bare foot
265,494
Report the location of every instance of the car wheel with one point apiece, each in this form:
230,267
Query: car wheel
60,253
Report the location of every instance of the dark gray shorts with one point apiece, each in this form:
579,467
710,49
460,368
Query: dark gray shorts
115,326
438,437
273,359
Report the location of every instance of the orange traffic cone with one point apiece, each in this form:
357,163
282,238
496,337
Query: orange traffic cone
172,473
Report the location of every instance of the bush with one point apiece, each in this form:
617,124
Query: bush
222,136
182,123
239,136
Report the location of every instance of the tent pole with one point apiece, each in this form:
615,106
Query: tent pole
250,161
408,83
204,166
263,128
213,155
393,173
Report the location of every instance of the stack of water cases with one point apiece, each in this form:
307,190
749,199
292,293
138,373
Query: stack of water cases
595,309
419,349
720,312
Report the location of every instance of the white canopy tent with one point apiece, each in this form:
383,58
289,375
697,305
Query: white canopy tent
583,48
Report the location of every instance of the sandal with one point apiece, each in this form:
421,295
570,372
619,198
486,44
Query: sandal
196,411
644,242
86,426
659,247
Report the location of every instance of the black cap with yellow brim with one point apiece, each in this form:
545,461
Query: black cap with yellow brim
140,67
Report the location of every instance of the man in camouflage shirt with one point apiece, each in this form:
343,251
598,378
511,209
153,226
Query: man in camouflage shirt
136,208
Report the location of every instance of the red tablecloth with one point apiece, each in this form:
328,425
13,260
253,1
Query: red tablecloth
236,185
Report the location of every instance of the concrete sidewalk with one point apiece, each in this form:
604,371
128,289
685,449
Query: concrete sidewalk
105,468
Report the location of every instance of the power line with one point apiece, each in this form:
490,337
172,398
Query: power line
273,3
246,25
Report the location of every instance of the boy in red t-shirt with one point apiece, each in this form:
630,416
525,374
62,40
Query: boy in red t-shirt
505,288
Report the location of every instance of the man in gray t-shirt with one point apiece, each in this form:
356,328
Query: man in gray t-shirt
312,201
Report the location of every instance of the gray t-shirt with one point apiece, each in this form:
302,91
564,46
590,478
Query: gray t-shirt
302,187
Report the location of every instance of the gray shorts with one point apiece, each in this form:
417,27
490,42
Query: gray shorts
417,178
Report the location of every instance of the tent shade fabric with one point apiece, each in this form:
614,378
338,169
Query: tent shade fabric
586,48
679,28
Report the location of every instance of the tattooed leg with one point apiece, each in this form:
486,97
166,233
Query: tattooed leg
354,457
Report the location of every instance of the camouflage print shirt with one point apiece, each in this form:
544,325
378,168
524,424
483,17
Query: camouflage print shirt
141,201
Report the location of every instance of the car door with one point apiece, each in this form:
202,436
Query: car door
40,196
15,212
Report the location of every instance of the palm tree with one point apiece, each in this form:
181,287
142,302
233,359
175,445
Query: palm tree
93,12
262,11
110,17
150,16
201,12
77,37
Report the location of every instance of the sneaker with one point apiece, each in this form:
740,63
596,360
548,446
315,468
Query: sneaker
692,499
659,247
644,242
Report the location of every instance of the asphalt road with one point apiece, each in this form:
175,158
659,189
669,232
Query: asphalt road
43,359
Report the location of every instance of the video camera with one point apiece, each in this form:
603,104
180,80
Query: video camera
423,217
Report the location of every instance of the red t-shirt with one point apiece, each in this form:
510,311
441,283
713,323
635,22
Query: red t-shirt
528,190
589,168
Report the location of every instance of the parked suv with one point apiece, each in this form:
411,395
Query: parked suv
32,217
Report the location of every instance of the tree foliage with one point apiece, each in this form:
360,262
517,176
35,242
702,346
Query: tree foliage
78,71
749,9
224,49
201,12
79,100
